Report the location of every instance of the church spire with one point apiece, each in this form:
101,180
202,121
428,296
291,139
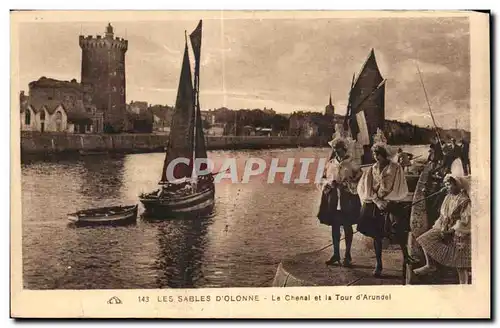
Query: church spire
330,109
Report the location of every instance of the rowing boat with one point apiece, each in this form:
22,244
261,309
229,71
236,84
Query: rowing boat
105,215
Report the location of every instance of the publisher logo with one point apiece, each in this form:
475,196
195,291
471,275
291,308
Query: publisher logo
114,300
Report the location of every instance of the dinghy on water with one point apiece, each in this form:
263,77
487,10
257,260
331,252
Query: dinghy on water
105,215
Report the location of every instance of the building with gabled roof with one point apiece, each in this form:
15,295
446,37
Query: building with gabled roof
58,106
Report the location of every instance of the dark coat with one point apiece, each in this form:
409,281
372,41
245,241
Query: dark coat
350,205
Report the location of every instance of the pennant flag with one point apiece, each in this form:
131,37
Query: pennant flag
200,149
196,44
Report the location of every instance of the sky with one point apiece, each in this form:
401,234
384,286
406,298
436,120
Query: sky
284,64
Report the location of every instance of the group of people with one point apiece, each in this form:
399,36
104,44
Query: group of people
404,159
442,156
371,199
185,186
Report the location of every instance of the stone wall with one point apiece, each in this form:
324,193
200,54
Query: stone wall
47,143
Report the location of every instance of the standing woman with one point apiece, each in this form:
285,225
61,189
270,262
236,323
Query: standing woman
380,186
448,241
340,203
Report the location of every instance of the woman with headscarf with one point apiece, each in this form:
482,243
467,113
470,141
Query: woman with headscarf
448,241
339,201
380,188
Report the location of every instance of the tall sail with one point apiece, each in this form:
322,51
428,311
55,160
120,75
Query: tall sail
367,96
182,128
200,150
368,80
369,115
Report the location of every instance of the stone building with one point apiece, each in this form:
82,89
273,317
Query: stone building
58,106
137,107
103,76
305,124
310,124
162,118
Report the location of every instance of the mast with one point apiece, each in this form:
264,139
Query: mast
180,144
348,111
195,112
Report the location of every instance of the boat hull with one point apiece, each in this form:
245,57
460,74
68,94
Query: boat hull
194,205
125,216
423,216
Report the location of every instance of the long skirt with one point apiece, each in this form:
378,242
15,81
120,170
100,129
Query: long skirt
392,223
330,215
455,252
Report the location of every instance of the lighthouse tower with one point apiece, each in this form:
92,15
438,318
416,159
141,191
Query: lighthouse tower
103,77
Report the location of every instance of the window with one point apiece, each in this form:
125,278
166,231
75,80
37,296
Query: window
27,117
58,121
42,115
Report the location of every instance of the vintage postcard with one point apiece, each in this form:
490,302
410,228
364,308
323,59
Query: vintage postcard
250,164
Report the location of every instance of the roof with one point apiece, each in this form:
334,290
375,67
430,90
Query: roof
141,105
45,82
78,114
79,117
163,112
75,114
24,101
50,105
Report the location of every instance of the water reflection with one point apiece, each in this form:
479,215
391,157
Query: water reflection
255,225
181,246
102,178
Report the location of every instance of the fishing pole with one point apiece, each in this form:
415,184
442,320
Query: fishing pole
425,198
429,105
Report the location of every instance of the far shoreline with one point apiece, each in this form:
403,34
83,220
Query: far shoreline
49,146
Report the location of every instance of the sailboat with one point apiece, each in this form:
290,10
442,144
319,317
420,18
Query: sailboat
366,104
184,189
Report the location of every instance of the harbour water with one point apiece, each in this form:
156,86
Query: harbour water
253,227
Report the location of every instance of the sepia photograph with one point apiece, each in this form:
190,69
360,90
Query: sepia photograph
281,161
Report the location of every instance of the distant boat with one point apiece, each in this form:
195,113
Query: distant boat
188,193
105,215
